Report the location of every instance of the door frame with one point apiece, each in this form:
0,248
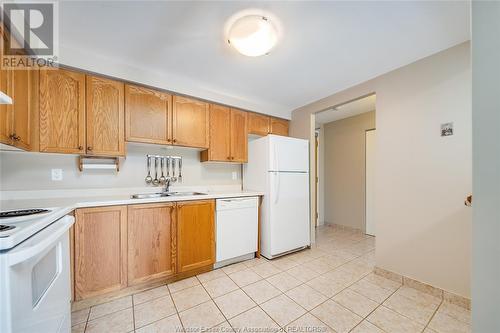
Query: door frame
316,179
366,132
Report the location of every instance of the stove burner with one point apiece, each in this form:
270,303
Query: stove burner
22,212
6,227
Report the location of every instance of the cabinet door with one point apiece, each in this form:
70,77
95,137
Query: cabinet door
25,98
105,117
239,133
195,234
220,147
279,126
258,124
148,115
100,250
6,111
190,122
151,242
62,111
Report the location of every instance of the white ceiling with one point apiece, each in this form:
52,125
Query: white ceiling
347,110
325,46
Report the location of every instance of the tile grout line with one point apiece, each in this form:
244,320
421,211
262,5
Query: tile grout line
380,304
133,311
433,314
86,322
256,304
153,299
213,301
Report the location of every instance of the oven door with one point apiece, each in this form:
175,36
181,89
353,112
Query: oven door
36,290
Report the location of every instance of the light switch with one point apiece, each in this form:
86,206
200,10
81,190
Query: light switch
57,174
234,175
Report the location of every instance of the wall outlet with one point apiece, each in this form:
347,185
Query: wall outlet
57,174
234,175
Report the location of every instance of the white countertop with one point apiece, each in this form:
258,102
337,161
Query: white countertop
68,204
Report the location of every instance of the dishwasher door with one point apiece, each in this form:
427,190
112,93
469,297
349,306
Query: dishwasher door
237,227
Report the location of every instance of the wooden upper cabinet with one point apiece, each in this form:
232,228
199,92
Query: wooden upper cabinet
259,124
279,126
100,250
220,145
239,136
148,115
6,111
105,117
190,123
151,242
62,111
25,108
195,234
228,135
18,126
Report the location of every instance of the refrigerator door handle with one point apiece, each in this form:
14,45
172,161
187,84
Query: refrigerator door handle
275,157
277,182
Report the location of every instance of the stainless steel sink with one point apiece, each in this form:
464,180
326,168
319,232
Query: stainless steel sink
149,195
184,194
165,194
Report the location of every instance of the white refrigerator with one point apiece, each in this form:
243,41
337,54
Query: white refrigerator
279,167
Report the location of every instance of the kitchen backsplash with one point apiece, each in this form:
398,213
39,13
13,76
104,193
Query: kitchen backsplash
33,171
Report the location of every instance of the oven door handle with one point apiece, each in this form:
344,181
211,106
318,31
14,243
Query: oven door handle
28,252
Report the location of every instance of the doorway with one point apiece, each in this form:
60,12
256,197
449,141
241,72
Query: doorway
344,155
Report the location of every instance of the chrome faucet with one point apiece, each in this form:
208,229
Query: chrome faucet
167,185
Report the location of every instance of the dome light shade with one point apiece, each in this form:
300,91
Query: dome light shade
252,35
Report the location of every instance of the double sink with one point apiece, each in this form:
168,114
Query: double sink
166,194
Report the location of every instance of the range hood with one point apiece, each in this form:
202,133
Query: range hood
4,99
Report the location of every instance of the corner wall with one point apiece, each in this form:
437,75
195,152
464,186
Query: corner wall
423,227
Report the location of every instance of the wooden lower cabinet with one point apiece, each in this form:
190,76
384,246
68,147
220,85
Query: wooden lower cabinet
151,242
115,247
195,234
100,250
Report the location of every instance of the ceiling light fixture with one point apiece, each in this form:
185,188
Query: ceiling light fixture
252,35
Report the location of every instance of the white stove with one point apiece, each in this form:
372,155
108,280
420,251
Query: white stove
35,270
18,225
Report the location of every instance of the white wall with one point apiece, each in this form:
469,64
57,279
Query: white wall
423,227
32,171
486,160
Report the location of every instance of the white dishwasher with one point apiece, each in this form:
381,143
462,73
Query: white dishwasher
237,228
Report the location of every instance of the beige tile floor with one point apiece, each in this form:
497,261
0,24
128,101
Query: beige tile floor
328,288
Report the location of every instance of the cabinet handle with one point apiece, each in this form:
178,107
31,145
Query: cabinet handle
89,148
174,140
80,147
17,138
